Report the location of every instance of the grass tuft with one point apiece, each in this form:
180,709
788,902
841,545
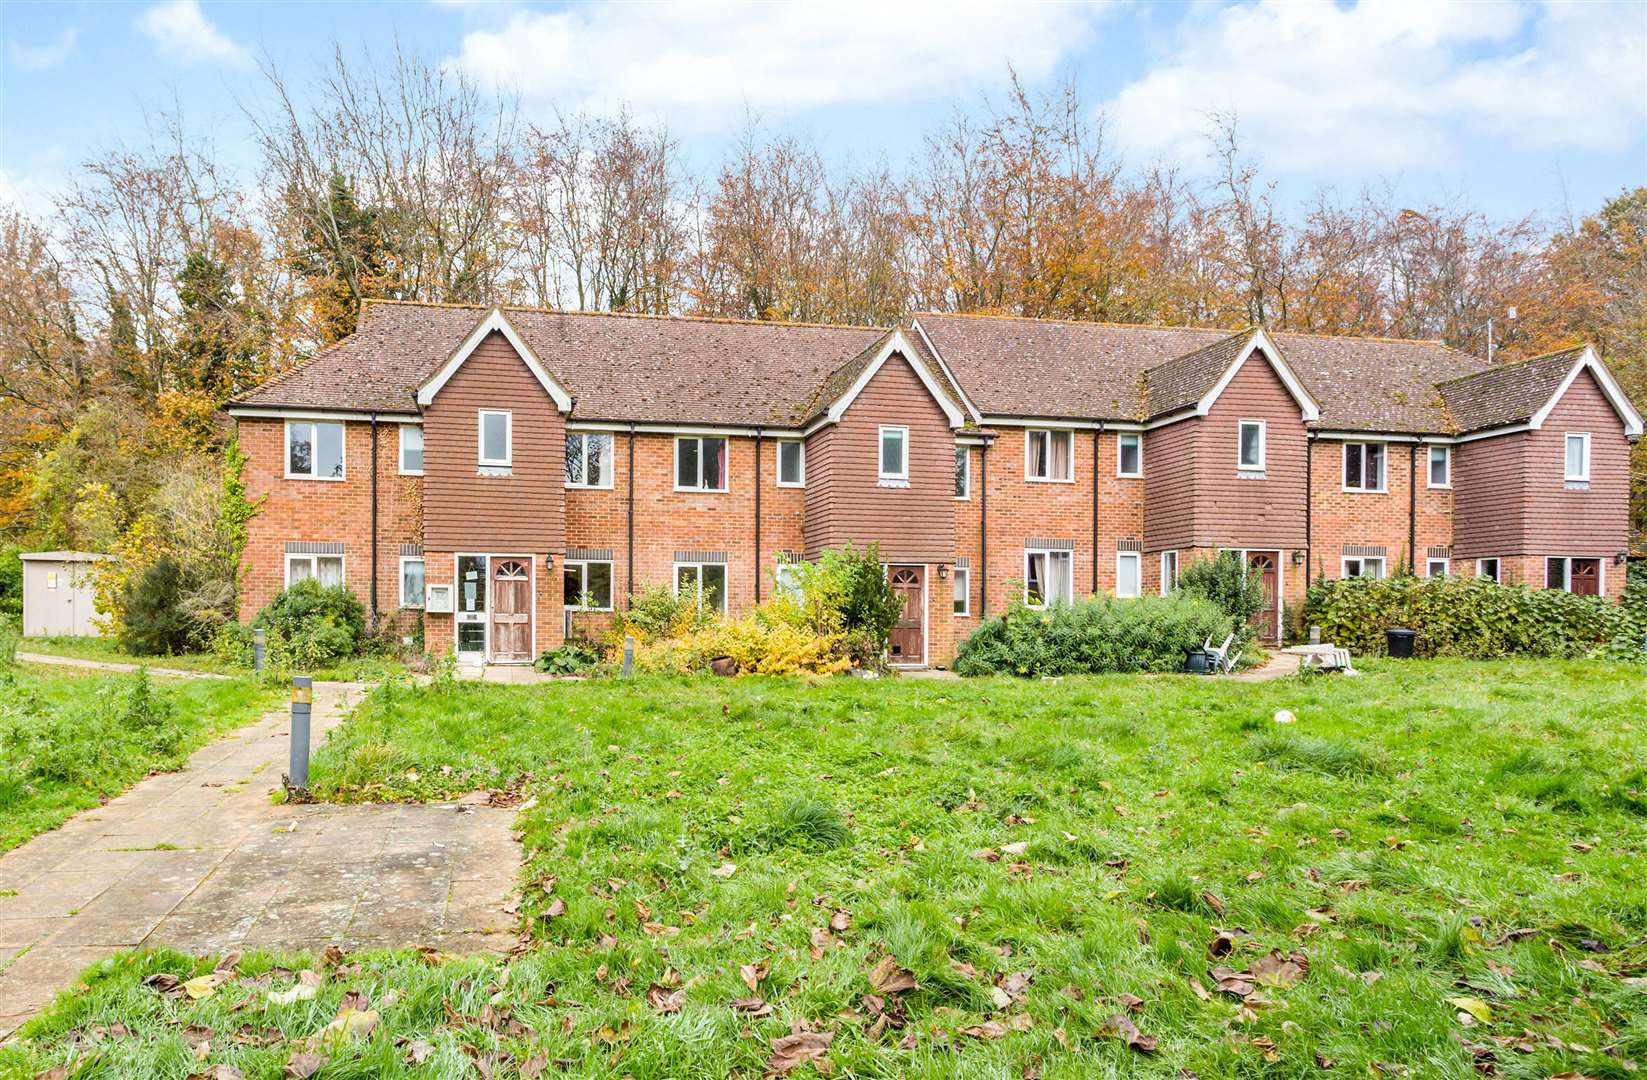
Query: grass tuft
1333,757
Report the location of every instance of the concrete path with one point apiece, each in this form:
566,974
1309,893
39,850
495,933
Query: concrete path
113,665
1279,666
200,861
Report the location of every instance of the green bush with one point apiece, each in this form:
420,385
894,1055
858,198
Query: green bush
1475,618
319,643
11,580
572,658
232,643
845,591
156,623
1102,634
308,617
659,612
11,632
1226,582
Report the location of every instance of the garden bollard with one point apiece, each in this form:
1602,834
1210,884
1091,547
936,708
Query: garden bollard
1315,635
628,655
258,639
302,696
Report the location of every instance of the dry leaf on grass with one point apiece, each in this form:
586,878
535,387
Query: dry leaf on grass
1128,1032
755,1007
789,1051
663,1000
839,921
820,940
307,983
752,974
888,978
303,1066
724,870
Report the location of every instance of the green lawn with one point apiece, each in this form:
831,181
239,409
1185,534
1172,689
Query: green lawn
70,740
359,669
1437,868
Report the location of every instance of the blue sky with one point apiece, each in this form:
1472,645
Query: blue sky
1518,107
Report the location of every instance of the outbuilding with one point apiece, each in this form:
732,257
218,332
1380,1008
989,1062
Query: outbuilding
57,593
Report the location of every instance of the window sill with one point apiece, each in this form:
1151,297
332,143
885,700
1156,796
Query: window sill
1048,480
1250,474
588,487
1576,485
1125,476
593,610
320,479
889,482
1365,491
700,491
411,472
494,470
797,487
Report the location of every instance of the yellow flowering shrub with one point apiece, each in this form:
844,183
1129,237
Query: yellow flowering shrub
756,646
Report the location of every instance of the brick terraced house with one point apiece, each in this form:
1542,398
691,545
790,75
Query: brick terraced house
511,476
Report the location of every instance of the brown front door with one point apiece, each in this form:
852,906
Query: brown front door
511,609
907,642
1267,565
1586,577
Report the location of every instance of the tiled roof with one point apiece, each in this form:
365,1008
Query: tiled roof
618,367
1507,394
695,370
1178,384
1039,367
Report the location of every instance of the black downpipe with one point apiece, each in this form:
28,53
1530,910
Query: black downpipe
629,574
1097,437
1412,512
1309,506
983,531
374,520
758,514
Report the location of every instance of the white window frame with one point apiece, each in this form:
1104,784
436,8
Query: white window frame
583,566
1121,439
313,559
404,559
1049,553
1583,476
1383,471
609,465
401,461
963,584
726,588
1429,466
1241,442
777,456
1497,576
1137,574
1169,582
963,454
881,472
1029,437
1430,565
314,446
1382,561
675,466
508,458
783,578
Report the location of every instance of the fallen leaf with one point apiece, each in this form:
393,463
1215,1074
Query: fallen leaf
789,1051
990,1030
820,941
1213,901
1129,1033
1473,1007
307,983
724,870
204,986
1016,848
1279,970
418,1051
888,978
665,1001
302,1066
839,921
1131,1002
755,1007
752,974
987,854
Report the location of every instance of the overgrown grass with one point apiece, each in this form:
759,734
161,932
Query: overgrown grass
1432,830
69,740
108,650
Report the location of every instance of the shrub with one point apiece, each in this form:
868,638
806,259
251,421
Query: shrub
1475,618
319,643
658,613
571,658
232,643
1226,582
11,632
11,580
755,645
845,592
155,623
296,615
1102,634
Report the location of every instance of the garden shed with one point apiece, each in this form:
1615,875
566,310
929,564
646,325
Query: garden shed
57,593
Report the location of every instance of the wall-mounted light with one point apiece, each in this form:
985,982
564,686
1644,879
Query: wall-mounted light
1297,556
1621,558
549,561
943,572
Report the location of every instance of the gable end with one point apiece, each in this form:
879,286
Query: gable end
498,322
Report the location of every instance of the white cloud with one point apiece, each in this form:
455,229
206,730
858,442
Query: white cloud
182,32
704,61
1388,86
41,57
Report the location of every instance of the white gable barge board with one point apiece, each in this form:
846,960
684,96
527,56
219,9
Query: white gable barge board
1610,389
499,323
896,344
1307,405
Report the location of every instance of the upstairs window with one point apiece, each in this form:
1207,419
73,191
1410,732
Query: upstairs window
963,472
1129,455
496,440
1578,457
1441,466
1250,448
894,454
1049,455
1363,466
700,464
791,463
589,459
314,451
411,450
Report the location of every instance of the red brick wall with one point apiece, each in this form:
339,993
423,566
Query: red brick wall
327,511
1375,519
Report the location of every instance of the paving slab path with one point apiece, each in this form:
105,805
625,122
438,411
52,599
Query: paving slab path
202,861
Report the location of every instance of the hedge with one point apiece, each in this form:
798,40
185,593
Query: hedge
1103,634
1475,618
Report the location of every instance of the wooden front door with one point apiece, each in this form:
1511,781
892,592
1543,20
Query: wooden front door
511,609
907,642
1586,577
1267,565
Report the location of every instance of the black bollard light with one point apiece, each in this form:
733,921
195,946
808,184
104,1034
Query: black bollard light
303,694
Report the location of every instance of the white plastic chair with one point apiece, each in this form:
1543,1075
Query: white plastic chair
1221,658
